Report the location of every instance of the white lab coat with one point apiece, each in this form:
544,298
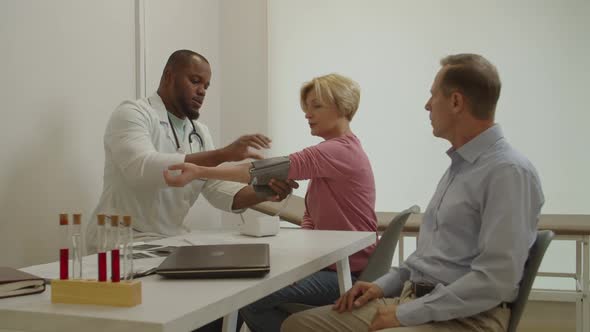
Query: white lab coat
139,145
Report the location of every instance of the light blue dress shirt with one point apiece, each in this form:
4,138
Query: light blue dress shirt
475,235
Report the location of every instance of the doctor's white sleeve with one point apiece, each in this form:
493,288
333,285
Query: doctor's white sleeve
221,194
128,140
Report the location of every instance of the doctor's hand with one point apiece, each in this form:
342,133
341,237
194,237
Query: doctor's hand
240,149
385,318
188,172
281,188
360,293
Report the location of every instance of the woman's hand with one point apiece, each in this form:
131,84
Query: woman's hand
188,173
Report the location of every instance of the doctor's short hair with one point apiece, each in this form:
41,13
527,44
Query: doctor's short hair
181,58
334,88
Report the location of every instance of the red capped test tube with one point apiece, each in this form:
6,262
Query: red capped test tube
114,240
101,247
64,248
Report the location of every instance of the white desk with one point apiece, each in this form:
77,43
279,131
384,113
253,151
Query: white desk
183,305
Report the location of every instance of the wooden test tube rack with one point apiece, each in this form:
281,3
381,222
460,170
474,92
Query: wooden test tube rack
84,291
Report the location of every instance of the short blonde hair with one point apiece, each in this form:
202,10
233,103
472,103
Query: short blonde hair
334,88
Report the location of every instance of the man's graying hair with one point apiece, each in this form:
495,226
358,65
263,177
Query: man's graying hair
474,77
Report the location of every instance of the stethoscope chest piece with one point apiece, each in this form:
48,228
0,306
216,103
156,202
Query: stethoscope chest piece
194,132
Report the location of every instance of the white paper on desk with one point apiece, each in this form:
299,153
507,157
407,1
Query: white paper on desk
90,267
90,263
144,264
47,271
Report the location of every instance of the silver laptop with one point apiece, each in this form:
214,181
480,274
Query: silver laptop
217,261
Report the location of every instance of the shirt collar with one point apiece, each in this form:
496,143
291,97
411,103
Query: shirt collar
473,149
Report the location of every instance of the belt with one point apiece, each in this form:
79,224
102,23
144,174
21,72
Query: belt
421,288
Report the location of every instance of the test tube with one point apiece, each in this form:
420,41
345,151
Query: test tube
101,247
127,240
114,238
77,247
63,246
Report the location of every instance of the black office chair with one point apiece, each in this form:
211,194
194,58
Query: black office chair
531,268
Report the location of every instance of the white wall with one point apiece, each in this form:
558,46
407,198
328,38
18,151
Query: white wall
194,25
65,65
392,49
244,73
233,36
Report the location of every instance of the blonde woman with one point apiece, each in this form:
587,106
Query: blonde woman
340,194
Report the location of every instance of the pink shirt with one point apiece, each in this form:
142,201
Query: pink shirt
341,192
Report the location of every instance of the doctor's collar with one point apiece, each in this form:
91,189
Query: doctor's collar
157,104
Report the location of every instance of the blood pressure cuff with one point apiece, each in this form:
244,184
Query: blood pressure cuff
264,170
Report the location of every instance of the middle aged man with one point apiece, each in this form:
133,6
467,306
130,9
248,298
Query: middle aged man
476,231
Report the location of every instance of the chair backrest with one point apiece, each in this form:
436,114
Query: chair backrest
380,261
531,268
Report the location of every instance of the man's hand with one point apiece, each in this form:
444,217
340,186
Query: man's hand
188,172
385,317
240,148
361,293
281,188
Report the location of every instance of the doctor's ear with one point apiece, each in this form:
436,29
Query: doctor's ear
167,76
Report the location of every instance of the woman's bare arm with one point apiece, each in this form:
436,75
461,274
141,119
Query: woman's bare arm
190,172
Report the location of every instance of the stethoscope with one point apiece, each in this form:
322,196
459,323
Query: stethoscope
190,140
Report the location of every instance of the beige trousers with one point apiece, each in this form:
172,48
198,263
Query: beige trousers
324,319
